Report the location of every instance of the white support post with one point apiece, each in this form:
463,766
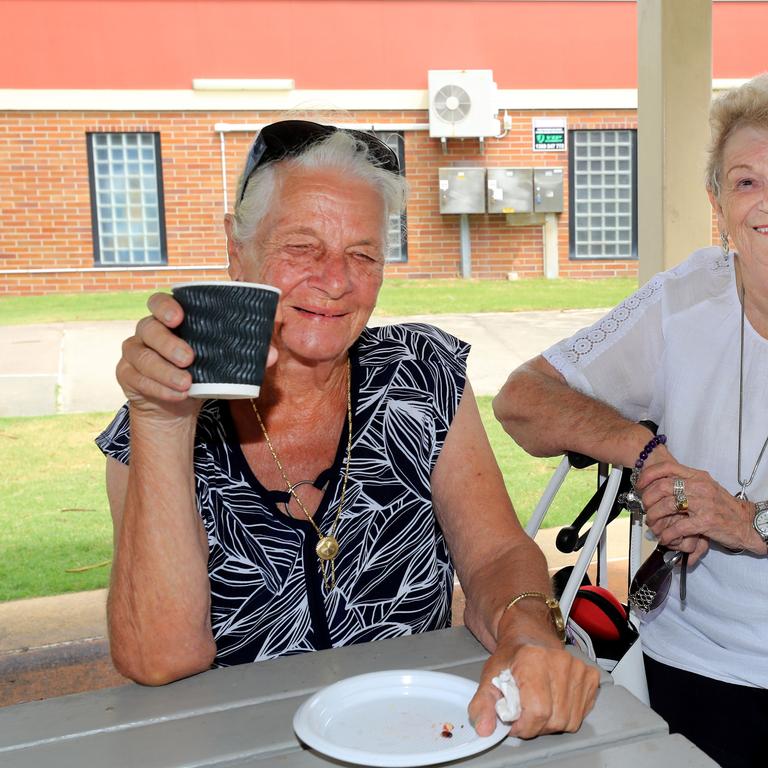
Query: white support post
466,246
551,256
674,94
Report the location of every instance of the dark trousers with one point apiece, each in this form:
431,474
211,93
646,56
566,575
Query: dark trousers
726,721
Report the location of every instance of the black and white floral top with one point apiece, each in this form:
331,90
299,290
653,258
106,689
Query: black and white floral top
394,574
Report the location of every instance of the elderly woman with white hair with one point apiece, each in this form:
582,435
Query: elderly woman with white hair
689,352
335,507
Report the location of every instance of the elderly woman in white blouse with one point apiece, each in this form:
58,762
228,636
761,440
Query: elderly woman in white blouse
689,352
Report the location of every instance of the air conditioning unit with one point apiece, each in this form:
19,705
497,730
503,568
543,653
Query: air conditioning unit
462,103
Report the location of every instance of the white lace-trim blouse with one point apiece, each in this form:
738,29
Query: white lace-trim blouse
670,353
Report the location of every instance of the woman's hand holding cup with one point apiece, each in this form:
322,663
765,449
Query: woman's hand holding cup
153,368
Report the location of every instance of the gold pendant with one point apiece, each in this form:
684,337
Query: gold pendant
327,548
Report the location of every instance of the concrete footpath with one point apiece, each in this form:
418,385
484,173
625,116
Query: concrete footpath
55,645
70,367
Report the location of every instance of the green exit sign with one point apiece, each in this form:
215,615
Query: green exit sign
549,137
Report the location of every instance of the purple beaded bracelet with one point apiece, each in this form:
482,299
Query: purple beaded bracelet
655,441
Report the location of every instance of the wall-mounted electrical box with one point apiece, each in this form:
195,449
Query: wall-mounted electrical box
462,190
548,190
509,190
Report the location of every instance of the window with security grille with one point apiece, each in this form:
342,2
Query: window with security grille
398,241
603,194
126,199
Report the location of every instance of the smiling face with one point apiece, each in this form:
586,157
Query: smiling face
742,206
322,244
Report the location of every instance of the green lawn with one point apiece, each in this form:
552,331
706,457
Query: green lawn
53,508
398,297
54,515
66,307
425,297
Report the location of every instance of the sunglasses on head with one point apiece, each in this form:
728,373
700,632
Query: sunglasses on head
289,138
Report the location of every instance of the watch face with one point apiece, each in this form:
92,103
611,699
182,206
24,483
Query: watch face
761,523
557,615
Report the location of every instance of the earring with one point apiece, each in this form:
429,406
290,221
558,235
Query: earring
724,243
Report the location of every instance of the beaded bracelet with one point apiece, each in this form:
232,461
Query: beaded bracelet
655,441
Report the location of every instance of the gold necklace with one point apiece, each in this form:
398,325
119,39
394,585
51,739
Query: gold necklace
327,546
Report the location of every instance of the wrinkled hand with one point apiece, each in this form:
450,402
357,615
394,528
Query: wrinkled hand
713,513
152,371
557,690
696,546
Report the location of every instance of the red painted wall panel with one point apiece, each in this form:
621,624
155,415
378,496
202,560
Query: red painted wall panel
739,39
373,44
319,43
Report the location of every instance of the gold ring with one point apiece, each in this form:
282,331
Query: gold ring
681,503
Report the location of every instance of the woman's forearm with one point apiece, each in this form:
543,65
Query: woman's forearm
521,568
159,600
547,417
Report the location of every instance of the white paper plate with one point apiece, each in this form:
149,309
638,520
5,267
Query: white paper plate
393,718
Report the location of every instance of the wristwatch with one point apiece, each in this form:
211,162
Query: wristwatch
760,520
557,617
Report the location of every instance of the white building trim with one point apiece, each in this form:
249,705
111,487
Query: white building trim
284,101
240,84
208,101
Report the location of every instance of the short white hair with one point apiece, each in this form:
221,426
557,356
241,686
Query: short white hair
339,151
736,108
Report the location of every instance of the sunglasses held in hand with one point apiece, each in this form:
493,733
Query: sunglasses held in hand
650,586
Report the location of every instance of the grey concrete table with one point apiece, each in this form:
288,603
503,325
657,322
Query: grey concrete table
242,716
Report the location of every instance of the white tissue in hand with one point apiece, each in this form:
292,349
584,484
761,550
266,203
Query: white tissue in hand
508,706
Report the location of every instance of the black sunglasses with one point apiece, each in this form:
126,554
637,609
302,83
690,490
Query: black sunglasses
650,586
289,138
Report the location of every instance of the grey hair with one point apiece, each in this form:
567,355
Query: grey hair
736,108
339,151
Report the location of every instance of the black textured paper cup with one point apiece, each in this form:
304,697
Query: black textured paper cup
229,327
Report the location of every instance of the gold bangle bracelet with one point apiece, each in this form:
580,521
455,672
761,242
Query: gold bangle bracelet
554,610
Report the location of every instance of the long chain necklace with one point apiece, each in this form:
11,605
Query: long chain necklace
327,545
744,483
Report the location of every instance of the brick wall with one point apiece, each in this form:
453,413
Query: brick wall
45,214
497,249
